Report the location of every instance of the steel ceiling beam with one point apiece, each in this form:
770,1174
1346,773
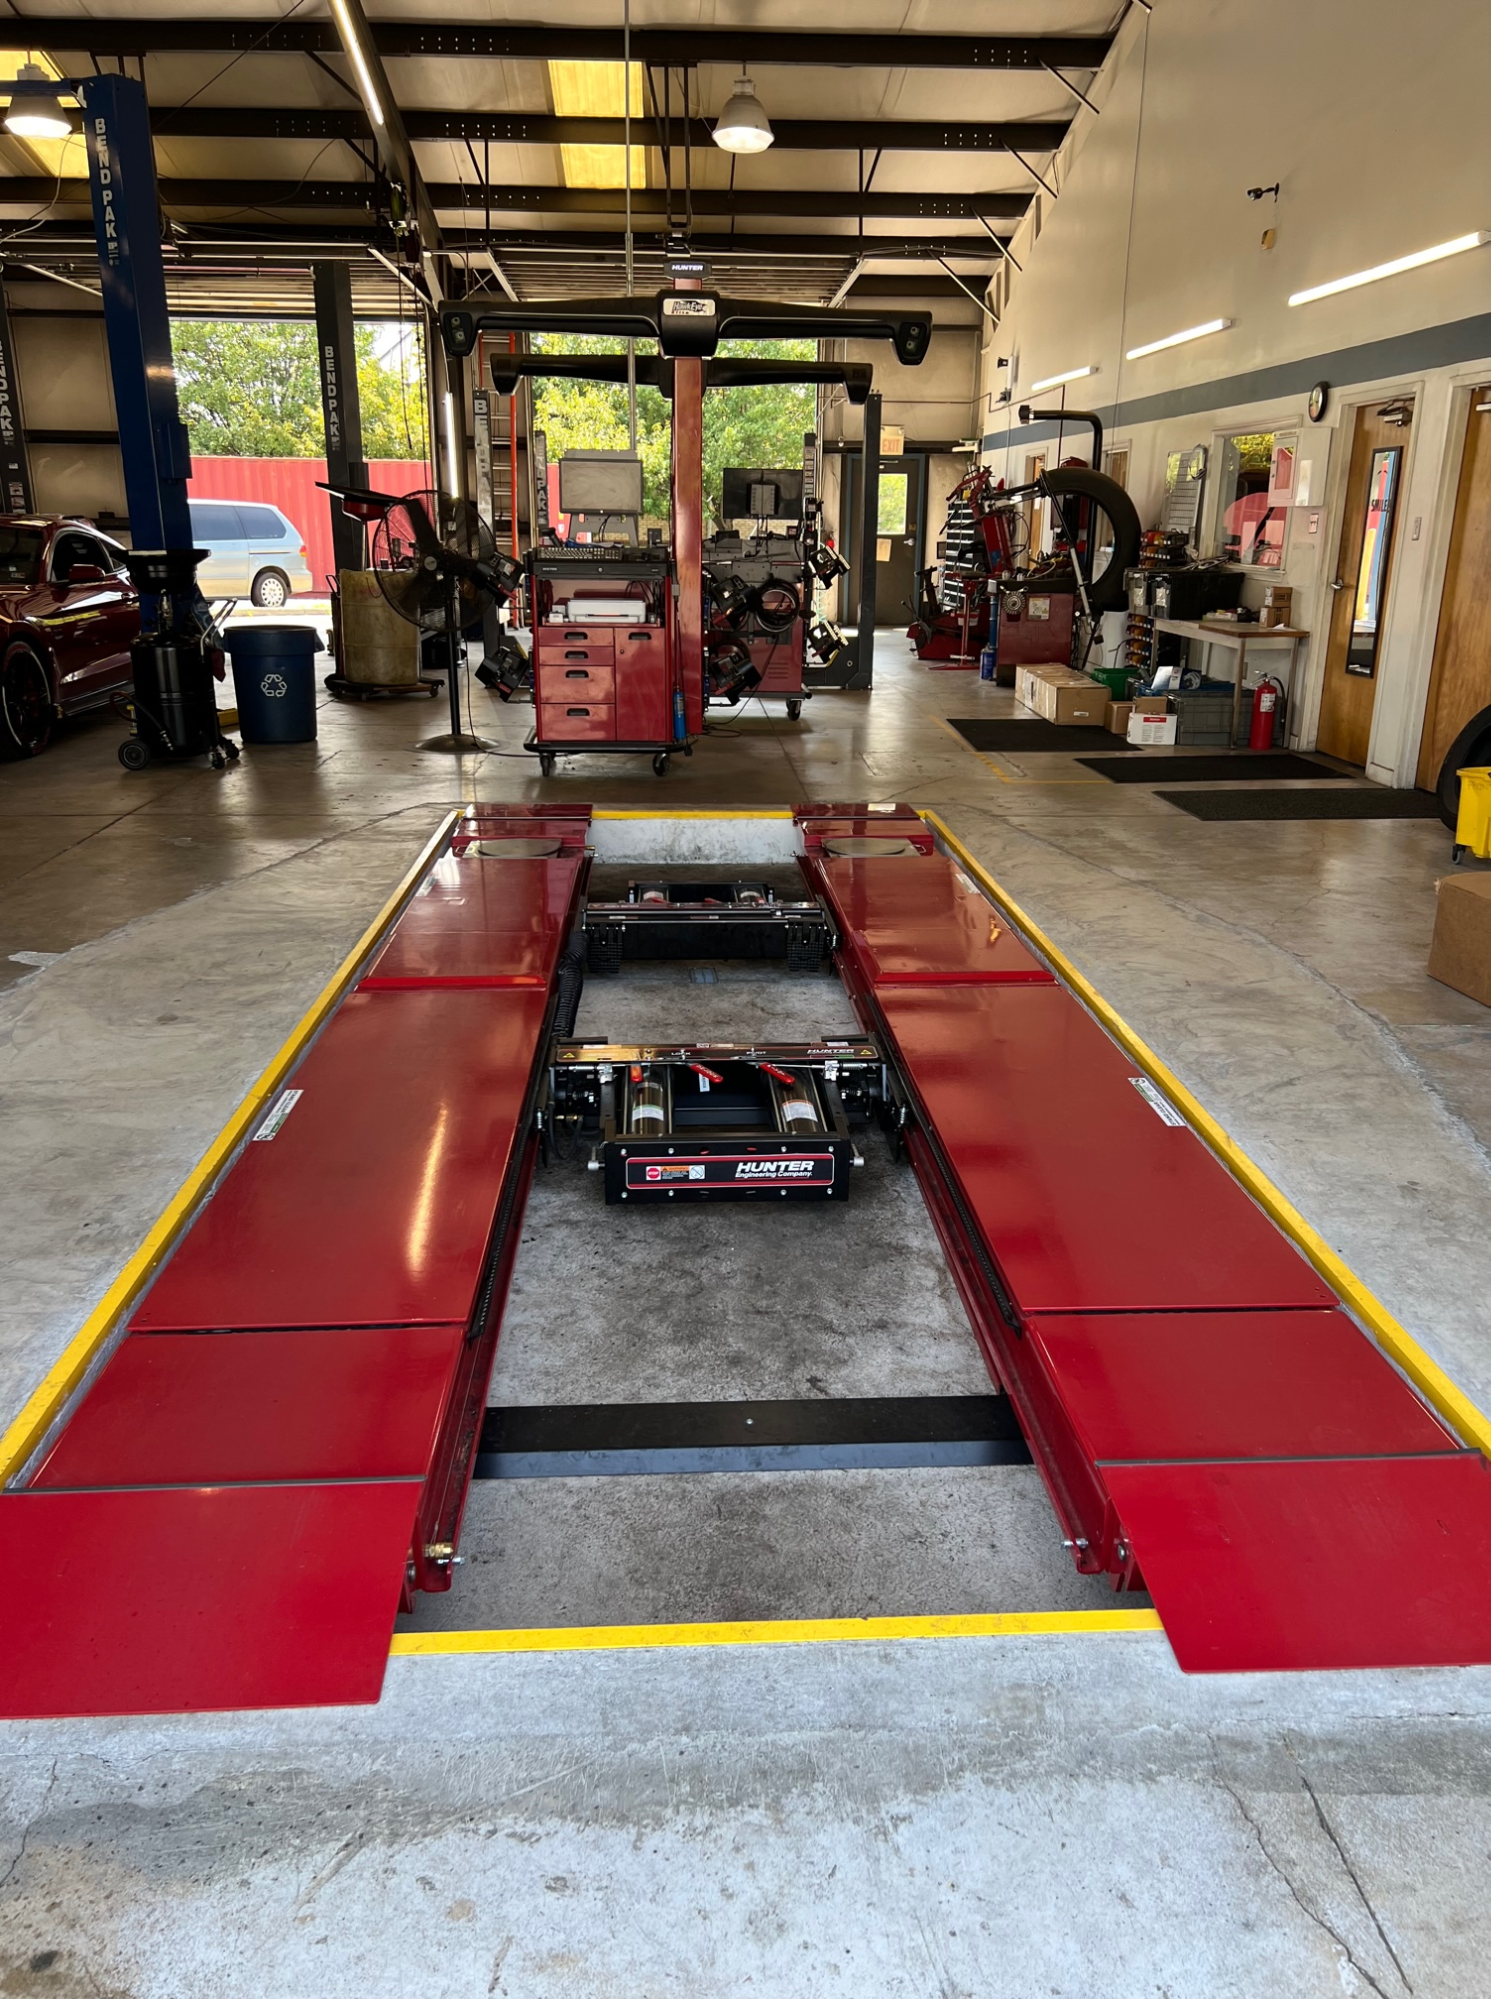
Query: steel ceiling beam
291,242
501,42
523,128
648,205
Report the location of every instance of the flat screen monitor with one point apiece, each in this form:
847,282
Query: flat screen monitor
600,483
770,493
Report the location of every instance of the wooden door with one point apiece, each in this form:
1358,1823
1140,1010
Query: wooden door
1460,673
1370,521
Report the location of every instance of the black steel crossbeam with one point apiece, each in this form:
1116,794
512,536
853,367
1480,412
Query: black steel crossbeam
525,128
504,42
862,1433
35,190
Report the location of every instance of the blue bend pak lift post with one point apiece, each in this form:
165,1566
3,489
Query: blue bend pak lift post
174,706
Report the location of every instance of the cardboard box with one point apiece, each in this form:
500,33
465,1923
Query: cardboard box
1461,948
1151,731
1119,714
1074,701
1152,704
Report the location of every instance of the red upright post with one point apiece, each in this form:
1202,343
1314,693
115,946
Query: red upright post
688,534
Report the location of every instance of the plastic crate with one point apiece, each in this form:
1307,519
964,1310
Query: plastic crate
1117,679
1204,716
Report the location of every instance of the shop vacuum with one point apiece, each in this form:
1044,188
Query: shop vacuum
173,709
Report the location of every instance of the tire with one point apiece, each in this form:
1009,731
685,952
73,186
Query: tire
271,591
1468,752
1106,592
27,712
134,754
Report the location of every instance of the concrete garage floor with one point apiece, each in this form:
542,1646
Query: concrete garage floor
985,1817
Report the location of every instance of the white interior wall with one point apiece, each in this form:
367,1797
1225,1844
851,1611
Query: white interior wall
1377,136
62,370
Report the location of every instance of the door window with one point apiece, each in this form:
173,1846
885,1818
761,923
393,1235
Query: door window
1372,568
262,524
891,504
70,549
215,523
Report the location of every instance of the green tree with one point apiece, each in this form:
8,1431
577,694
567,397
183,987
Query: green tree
251,389
752,427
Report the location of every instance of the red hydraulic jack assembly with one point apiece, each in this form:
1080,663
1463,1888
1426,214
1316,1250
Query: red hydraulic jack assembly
274,1453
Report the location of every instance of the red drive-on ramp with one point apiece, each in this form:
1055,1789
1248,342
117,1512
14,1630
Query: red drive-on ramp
1209,1421
279,1447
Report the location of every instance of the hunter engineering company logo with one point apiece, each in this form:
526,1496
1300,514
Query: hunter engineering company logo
776,1169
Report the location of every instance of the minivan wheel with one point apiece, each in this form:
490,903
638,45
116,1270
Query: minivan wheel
26,710
270,590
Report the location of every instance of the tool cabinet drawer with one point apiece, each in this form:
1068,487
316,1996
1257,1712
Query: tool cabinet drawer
567,680
558,641
576,722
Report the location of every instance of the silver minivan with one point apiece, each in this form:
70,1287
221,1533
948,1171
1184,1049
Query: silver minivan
254,551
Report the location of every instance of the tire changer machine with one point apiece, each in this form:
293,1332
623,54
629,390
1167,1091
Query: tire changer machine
702,629
1034,605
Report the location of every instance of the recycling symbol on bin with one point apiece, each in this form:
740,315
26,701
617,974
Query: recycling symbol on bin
274,685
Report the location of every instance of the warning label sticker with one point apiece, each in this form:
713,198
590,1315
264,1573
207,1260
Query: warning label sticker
1164,1109
284,1104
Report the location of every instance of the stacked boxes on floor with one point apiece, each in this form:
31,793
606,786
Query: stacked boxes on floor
1059,695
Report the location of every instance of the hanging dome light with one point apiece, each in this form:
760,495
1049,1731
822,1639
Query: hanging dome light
743,126
34,111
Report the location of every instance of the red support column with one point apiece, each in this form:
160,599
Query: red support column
688,533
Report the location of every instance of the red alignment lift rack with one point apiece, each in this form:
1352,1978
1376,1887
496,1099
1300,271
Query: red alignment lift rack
277,1451
279,1448
1209,1422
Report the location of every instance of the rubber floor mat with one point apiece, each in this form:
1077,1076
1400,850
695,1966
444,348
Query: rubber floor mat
1223,767
1012,738
1361,801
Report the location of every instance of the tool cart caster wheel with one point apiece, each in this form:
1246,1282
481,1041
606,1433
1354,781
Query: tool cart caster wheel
794,710
134,754
230,751
546,763
660,764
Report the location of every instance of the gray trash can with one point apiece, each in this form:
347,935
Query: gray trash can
274,681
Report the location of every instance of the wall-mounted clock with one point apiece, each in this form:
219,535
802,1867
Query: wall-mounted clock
1317,400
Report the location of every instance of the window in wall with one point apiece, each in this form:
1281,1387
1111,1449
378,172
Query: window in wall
1255,487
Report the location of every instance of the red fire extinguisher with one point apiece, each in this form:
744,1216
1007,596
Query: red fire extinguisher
1267,696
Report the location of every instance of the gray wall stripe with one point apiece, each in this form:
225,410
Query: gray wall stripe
1403,354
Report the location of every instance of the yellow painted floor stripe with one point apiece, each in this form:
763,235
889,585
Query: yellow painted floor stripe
1432,1381
772,1631
47,1399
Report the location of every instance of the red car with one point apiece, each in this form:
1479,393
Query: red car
68,616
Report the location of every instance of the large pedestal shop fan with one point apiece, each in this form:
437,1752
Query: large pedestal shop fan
438,567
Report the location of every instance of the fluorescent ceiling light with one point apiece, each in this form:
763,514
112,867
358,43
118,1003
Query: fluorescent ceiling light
1056,381
1452,249
743,126
34,110
352,42
1176,339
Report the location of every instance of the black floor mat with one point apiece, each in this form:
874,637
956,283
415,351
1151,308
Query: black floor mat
1225,767
1362,801
1012,737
